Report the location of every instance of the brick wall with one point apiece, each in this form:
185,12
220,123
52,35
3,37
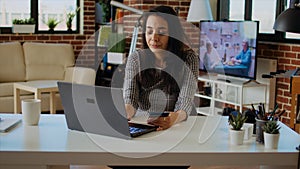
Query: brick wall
130,18
288,58
288,55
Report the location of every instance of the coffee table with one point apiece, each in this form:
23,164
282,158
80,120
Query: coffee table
36,87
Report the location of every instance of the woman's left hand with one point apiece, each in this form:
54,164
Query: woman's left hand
163,122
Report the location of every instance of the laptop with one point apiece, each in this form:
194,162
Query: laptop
98,110
7,123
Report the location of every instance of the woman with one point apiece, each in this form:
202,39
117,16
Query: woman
210,58
161,76
207,56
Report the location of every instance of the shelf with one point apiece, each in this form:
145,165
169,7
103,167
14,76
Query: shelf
238,93
227,102
216,99
207,111
202,96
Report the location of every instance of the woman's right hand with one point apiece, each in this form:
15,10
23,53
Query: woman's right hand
130,111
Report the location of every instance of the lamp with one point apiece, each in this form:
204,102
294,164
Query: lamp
199,10
120,5
288,20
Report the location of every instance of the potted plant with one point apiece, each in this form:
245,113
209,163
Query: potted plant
23,25
103,4
116,48
261,120
271,134
69,19
52,23
236,133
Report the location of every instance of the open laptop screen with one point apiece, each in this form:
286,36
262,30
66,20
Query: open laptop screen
96,109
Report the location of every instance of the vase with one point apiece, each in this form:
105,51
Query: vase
236,137
23,28
69,30
116,58
271,140
259,130
51,30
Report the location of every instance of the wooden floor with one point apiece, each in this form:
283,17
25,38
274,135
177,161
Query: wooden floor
193,167
207,167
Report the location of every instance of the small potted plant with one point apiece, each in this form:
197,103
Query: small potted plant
236,133
104,9
116,48
52,23
271,134
23,25
261,120
69,19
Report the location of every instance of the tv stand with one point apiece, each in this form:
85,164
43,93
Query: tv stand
251,81
237,93
224,80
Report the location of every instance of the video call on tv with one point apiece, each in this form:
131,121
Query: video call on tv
222,43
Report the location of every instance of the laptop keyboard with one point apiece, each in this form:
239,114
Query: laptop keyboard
134,130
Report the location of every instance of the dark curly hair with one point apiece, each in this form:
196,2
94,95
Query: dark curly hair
176,34
176,47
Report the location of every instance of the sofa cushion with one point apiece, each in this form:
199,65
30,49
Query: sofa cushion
46,61
12,65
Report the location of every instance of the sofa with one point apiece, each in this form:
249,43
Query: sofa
37,62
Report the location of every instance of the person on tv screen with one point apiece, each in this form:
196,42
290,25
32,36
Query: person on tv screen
163,75
244,57
210,58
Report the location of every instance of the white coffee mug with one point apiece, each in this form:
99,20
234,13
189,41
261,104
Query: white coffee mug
31,110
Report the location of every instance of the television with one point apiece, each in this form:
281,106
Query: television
229,48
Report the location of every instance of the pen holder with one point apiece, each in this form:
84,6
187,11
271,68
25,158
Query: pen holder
259,130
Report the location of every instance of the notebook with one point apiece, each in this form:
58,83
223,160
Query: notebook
8,123
98,110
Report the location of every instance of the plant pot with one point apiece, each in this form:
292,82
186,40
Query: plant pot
69,30
116,58
259,130
23,28
236,137
69,26
271,140
51,30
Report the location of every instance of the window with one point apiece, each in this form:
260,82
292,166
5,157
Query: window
239,12
48,9
264,11
13,9
41,11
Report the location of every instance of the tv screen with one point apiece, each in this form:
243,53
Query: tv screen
229,48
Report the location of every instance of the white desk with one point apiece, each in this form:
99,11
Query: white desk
51,143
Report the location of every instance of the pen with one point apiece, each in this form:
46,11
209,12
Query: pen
263,109
260,110
275,108
281,113
253,109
